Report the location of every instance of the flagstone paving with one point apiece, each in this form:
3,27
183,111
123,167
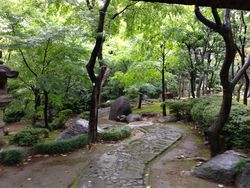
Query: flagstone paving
125,166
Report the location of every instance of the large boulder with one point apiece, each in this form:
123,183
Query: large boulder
133,117
222,168
119,107
243,179
77,128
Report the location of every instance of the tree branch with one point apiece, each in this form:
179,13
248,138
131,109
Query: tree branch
216,16
204,20
90,7
123,10
26,63
241,72
45,55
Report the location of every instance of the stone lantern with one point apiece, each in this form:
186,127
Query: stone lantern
5,73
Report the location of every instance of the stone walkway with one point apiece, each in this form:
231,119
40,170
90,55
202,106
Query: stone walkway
125,166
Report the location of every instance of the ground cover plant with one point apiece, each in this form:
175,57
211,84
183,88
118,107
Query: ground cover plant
115,134
205,110
64,146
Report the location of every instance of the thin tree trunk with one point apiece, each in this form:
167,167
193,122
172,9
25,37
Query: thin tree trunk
238,92
246,89
93,118
198,91
96,80
215,130
45,112
140,100
37,103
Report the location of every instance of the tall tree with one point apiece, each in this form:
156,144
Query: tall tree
225,30
97,79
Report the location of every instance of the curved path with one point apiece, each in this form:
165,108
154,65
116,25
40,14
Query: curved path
125,166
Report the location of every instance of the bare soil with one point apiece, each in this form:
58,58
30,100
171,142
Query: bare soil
173,168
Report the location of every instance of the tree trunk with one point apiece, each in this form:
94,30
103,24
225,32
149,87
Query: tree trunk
96,80
140,100
192,84
93,118
37,103
163,89
246,89
198,91
45,112
238,92
215,130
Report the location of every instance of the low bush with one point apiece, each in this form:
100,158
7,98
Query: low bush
30,136
14,111
13,116
179,108
61,119
236,132
12,157
115,134
61,146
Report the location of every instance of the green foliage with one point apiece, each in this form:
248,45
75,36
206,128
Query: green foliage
179,107
236,132
61,146
12,157
205,110
30,136
115,134
14,112
61,119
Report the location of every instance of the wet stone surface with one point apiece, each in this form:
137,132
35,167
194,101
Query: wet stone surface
124,167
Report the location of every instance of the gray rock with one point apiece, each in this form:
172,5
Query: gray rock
79,127
243,179
119,107
133,117
221,168
168,119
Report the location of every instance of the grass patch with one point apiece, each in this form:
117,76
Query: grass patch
115,134
63,146
153,107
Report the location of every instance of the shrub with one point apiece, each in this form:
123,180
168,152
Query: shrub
115,134
30,136
13,116
236,132
179,107
14,111
61,146
61,119
12,157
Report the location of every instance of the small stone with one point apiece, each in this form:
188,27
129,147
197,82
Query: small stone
29,179
220,185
